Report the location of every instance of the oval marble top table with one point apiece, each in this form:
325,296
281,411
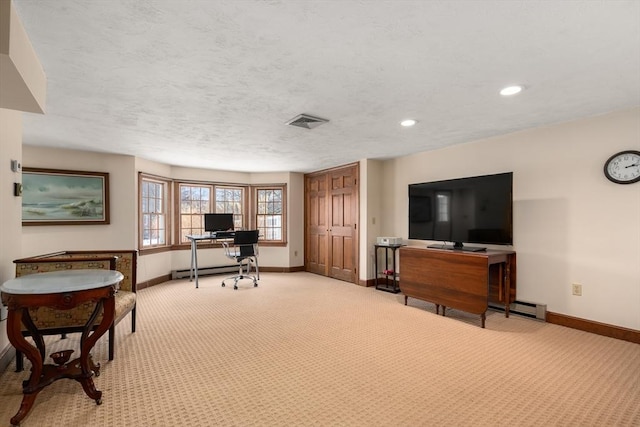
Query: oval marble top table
60,281
63,290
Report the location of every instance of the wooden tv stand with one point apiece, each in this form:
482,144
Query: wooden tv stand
466,281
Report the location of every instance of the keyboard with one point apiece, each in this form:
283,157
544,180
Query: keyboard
224,234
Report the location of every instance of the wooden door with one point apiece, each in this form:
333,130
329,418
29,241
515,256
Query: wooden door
343,216
331,204
316,225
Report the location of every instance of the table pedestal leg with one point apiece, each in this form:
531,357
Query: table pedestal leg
81,369
25,407
32,353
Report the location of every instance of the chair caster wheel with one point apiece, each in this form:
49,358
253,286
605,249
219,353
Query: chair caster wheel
99,401
235,287
223,285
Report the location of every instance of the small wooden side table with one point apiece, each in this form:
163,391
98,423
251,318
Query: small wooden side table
387,279
61,290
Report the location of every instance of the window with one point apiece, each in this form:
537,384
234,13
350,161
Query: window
231,200
153,212
165,220
197,199
444,201
270,210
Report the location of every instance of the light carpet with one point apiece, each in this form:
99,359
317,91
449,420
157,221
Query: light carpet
305,350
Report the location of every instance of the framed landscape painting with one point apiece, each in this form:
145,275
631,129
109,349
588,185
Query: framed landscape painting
63,197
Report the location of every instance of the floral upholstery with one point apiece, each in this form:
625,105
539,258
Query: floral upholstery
125,264
51,321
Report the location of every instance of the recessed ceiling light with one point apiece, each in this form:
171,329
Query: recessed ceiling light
511,90
408,122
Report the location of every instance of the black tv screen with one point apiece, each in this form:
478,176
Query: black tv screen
477,209
218,222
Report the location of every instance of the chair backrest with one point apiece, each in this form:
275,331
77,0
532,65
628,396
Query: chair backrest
126,263
245,240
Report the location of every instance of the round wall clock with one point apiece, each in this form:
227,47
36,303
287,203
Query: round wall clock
623,167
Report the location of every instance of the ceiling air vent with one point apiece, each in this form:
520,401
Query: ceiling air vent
306,121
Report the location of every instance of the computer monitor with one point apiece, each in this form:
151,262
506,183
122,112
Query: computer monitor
218,222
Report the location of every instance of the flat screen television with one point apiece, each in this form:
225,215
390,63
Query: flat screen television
476,209
218,222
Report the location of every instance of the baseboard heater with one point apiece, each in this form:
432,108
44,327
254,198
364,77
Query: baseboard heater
523,308
204,271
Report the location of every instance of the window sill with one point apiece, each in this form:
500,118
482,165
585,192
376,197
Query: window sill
155,250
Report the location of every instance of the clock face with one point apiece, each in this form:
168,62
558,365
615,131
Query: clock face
623,167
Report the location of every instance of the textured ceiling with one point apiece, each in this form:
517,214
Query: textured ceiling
210,84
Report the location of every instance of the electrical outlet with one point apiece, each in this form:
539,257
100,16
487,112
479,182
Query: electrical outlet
576,289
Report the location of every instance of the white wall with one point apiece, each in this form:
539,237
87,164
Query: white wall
122,232
23,89
10,206
571,225
371,201
295,219
119,234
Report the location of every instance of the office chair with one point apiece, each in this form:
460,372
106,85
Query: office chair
244,251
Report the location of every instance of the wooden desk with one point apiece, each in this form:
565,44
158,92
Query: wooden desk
61,290
466,281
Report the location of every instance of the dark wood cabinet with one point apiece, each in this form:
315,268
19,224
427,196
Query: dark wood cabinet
467,281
